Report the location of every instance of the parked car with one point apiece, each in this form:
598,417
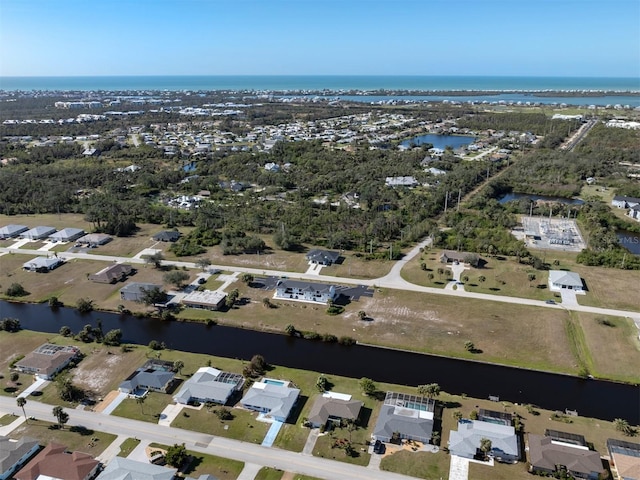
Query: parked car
550,302
378,447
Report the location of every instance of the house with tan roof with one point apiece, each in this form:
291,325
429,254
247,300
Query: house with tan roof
47,360
548,456
333,407
625,459
55,462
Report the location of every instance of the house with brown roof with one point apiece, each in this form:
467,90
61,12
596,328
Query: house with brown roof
548,456
54,461
625,459
334,407
113,273
47,360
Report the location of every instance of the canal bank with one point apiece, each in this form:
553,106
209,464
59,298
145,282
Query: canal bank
592,398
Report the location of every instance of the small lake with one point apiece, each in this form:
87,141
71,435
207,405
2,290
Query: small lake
552,391
510,197
630,241
440,141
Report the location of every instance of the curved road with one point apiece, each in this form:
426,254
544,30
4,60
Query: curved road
203,443
392,280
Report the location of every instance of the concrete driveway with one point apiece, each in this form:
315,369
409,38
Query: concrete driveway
459,468
568,297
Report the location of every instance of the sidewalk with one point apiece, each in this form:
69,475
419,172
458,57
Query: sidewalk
249,471
112,450
7,429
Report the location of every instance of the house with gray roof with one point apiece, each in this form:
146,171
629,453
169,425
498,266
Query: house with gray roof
273,398
42,264
10,231
561,279
332,406
126,469
322,257
405,417
67,235
113,273
15,453
167,236
135,291
465,442
38,233
155,376
304,291
94,239
406,181
548,456
209,385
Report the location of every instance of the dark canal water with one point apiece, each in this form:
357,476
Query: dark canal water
630,241
605,400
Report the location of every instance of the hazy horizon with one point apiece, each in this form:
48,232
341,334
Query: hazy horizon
546,38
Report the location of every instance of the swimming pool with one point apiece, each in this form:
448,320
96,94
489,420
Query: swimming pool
273,382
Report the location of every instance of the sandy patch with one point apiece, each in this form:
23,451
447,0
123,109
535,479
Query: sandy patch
96,375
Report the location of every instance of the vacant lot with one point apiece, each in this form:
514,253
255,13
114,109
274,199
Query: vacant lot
77,439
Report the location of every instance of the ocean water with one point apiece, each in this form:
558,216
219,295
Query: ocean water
319,82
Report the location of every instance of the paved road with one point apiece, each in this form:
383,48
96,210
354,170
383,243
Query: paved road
199,442
392,280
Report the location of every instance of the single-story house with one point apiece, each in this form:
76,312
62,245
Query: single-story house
113,273
10,231
154,375
624,202
42,264
436,171
625,459
209,385
126,469
405,416
465,442
205,299
273,398
322,257
14,453
449,256
54,461
135,291
305,291
47,360
67,235
634,212
167,236
406,181
38,233
547,455
560,279
331,406
94,239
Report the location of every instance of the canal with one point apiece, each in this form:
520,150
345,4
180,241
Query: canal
593,398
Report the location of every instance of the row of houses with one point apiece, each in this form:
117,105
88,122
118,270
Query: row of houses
23,459
42,232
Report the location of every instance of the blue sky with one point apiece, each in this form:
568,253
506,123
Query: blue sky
320,37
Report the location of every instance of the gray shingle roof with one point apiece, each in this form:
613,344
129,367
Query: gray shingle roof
156,379
545,453
12,451
324,407
209,384
407,422
465,441
562,277
126,469
277,399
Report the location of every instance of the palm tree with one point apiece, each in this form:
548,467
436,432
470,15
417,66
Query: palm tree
140,401
622,426
21,401
485,446
178,365
431,390
61,416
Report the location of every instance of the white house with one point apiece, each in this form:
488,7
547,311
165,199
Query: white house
465,442
67,235
624,202
10,231
274,398
401,182
304,291
209,385
42,264
14,454
560,279
38,233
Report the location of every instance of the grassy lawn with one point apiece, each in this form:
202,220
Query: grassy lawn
127,447
59,221
13,345
357,267
6,420
268,473
201,464
499,471
413,272
149,411
244,425
418,464
75,438
358,439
